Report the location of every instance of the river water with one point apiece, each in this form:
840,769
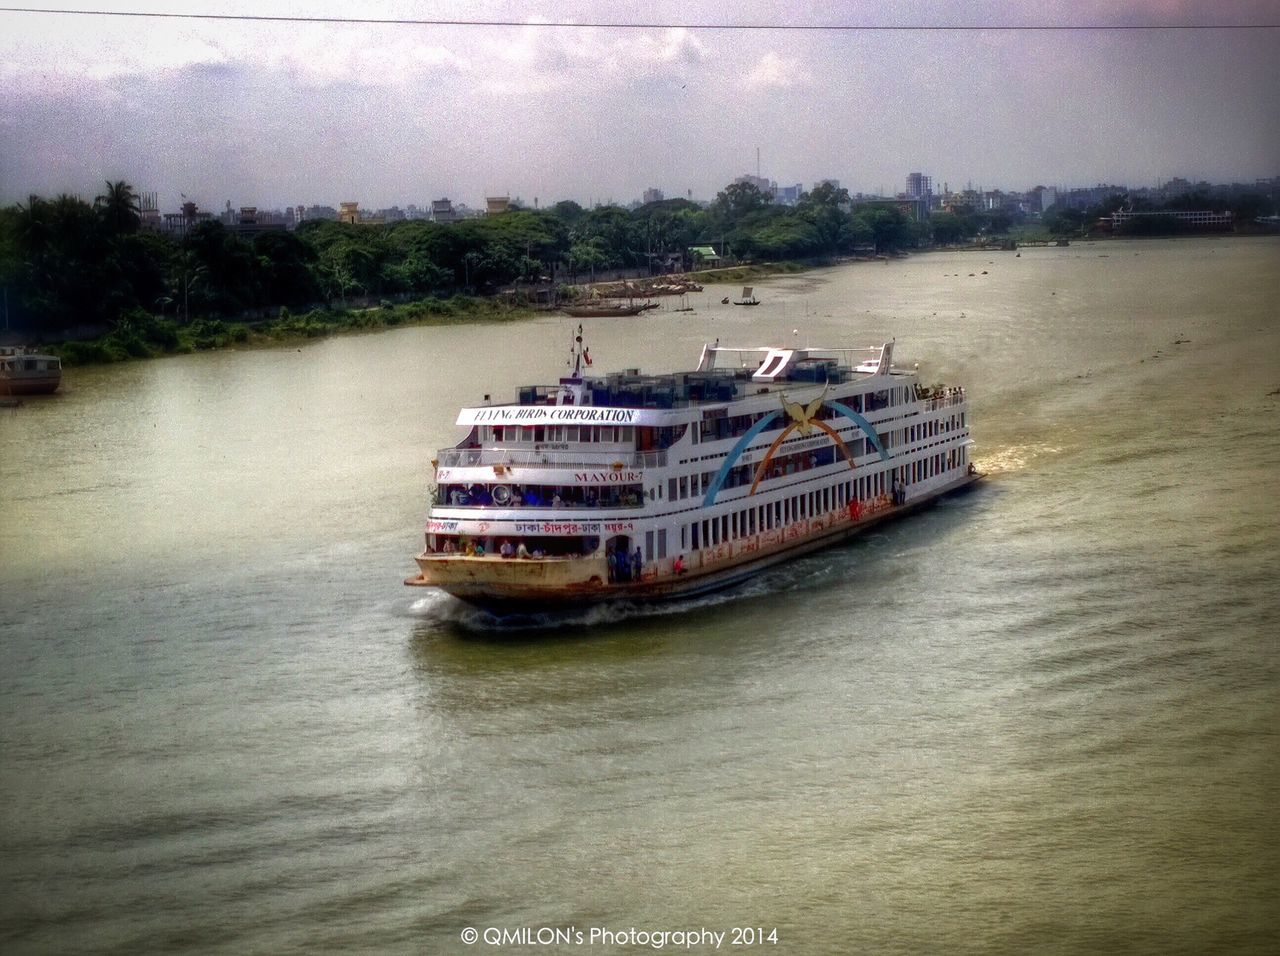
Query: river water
1042,716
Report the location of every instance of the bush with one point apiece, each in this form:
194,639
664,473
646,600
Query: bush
84,353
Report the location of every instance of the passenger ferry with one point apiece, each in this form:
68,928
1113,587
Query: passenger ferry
627,486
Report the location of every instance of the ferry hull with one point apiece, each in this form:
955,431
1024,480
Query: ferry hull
506,585
33,385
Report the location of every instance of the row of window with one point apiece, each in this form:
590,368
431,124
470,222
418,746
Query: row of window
649,438
757,519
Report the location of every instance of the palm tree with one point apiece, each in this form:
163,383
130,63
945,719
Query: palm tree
120,207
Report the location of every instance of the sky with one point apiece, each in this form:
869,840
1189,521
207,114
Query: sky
271,114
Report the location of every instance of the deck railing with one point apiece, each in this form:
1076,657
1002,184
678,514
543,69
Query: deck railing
547,458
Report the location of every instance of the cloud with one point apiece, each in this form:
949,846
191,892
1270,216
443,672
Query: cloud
773,72
269,114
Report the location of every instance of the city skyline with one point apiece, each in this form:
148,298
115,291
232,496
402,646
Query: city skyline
275,114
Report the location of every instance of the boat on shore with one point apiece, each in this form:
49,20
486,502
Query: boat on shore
748,297
24,371
606,309
625,486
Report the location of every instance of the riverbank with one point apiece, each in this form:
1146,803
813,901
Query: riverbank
141,336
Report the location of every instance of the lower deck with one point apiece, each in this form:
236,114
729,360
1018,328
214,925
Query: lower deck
780,530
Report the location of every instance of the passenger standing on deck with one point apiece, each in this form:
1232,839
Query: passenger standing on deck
637,564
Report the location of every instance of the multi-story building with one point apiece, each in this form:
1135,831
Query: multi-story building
919,186
651,195
766,186
442,211
789,195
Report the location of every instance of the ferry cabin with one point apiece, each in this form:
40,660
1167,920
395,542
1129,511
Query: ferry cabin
755,456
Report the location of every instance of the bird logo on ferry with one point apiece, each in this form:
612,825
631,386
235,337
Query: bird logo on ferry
802,415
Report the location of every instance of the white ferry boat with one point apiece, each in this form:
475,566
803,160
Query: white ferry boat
627,486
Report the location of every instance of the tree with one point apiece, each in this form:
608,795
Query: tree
284,267
824,207
120,208
587,255
738,200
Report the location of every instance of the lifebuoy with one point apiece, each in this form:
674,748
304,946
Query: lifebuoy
501,494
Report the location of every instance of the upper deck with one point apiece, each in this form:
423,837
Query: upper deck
724,375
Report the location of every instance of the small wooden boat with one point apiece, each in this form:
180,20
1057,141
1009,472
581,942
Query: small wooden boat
747,297
605,309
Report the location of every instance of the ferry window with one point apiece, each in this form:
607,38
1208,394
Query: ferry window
607,433
671,489
662,543
539,434
626,434
571,433
724,527
684,486
648,545
693,529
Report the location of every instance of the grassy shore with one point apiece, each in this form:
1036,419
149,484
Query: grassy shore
140,335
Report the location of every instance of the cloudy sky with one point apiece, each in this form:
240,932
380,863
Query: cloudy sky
282,113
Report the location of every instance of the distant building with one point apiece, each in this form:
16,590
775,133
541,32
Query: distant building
178,224
1042,198
496,205
789,195
919,186
442,211
349,212
766,186
651,195
317,212
249,222
702,256
149,212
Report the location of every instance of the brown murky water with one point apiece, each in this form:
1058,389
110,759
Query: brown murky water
1040,717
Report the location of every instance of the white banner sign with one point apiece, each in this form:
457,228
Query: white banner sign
561,415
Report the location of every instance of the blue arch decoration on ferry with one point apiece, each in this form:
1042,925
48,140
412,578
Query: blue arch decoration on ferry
862,423
731,459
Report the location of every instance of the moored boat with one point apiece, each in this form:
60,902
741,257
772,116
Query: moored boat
606,309
24,371
648,487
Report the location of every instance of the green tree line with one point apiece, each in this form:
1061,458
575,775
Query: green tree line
67,263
